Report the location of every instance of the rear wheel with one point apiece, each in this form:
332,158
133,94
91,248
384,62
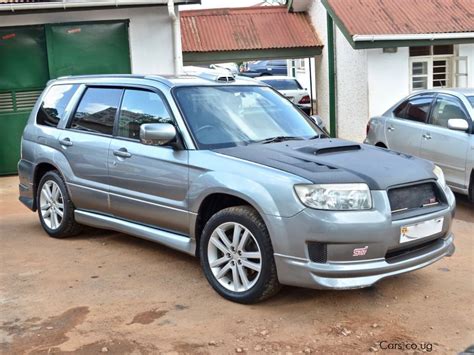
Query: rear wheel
237,255
55,208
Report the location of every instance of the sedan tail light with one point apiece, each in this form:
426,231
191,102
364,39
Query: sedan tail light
304,100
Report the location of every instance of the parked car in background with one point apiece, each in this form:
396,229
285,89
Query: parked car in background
436,125
265,67
230,171
232,67
291,89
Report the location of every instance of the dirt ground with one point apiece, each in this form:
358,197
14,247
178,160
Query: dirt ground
108,292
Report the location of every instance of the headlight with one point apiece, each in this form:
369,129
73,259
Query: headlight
440,176
335,196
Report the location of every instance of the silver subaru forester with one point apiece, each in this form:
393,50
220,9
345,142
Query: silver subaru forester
229,170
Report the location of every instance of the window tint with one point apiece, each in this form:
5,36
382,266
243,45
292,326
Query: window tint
471,100
139,107
416,109
96,111
283,84
446,108
54,104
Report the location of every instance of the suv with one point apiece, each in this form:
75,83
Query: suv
230,171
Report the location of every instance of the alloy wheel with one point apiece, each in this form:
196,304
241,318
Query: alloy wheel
51,204
234,257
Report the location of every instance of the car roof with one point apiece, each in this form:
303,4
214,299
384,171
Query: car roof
208,79
452,91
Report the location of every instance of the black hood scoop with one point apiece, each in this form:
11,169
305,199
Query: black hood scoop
327,150
334,161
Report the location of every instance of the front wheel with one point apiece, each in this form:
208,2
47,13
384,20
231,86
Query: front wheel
237,255
55,208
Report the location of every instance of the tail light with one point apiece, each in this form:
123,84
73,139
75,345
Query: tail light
304,100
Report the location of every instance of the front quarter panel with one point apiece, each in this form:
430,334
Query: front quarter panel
268,190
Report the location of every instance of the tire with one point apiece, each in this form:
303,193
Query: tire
242,262
59,227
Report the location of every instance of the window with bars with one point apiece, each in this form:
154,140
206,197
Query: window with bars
436,67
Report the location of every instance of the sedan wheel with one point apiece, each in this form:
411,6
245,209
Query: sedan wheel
234,257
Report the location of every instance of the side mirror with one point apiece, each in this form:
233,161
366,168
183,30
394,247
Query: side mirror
458,124
157,133
318,120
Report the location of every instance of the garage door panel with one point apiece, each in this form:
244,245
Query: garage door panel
88,48
23,58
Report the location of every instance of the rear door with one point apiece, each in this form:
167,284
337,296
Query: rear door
148,184
445,147
405,128
85,143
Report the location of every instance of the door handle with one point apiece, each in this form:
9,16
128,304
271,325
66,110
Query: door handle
390,128
122,153
66,142
426,136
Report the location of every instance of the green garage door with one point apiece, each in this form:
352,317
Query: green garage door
30,56
100,48
23,74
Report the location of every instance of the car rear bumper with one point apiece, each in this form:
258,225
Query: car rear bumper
340,235
26,188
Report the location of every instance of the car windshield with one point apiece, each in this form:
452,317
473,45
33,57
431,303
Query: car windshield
283,84
471,100
229,116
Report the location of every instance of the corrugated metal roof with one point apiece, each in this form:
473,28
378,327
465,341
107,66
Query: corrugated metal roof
376,17
249,28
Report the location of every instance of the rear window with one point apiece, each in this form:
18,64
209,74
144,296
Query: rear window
283,84
96,111
415,109
54,104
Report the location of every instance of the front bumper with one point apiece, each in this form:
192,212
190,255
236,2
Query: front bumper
342,232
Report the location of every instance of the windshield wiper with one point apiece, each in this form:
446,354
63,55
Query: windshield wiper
278,139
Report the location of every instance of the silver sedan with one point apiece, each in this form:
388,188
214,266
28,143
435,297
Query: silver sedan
436,125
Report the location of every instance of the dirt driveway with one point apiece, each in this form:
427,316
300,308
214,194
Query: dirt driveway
108,292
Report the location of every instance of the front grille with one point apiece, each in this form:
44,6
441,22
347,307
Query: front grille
413,197
318,252
412,251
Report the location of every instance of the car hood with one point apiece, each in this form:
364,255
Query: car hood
337,161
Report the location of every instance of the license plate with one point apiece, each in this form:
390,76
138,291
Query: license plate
421,230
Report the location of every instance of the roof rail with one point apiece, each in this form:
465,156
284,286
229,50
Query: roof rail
221,76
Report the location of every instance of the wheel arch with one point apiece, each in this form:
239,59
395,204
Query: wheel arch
215,202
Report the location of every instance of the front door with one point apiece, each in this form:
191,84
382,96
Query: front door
405,128
447,148
148,184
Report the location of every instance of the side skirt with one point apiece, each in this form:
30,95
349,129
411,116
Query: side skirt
175,241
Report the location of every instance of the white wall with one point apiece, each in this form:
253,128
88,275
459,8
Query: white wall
468,50
351,80
351,90
388,77
150,32
317,13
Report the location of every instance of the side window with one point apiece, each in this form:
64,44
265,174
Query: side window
96,111
415,109
139,107
446,108
54,105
